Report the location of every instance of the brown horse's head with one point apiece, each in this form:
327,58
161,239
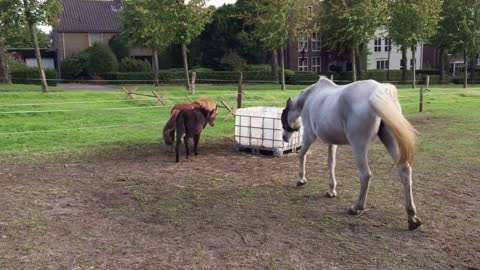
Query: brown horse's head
213,117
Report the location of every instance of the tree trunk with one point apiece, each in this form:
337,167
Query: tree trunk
389,60
282,63
38,56
354,63
274,64
4,72
185,66
359,60
404,63
465,69
414,66
442,64
155,66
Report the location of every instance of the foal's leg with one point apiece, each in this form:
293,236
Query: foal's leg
187,152
196,139
177,149
307,142
332,183
405,172
360,153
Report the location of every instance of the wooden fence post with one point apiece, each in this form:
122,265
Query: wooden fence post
194,77
428,82
420,108
240,91
331,77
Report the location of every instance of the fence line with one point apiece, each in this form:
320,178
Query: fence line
83,110
81,128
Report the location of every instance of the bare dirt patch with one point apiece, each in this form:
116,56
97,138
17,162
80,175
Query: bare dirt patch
229,210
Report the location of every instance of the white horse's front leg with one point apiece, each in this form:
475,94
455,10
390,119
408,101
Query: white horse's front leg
307,142
332,183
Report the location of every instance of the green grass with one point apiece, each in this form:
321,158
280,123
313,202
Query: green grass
83,121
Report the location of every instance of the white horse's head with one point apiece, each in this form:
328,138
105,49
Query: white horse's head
290,120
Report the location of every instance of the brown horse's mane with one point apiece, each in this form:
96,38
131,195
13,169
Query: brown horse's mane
206,103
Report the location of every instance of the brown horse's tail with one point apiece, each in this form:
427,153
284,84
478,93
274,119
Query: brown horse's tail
169,129
385,102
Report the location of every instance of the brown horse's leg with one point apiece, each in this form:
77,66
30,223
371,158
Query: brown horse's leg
187,152
196,139
177,150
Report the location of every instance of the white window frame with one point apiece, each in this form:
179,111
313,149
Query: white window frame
303,65
388,44
316,64
382,64
91,41
303,43
377,45
316,42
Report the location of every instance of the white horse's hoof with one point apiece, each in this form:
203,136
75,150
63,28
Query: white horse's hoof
414,223
329,194
355,211
301,182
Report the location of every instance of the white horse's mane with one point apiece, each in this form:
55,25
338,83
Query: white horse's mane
299,100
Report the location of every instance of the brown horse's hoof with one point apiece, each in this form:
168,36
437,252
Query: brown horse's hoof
414,223
329,194
355,212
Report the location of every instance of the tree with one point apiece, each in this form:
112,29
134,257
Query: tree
39,12
8,10
185,22
279,21
140,25
20,37
350,23
412,22
463,19
101,59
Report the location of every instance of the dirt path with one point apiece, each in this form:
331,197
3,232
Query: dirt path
227,210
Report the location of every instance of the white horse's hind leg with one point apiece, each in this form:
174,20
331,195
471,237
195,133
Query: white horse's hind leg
405,172
361,159
332,183
306,144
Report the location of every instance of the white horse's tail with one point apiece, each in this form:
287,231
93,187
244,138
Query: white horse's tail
385,103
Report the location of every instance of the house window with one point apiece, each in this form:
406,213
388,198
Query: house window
382,64
378,45
411,63
303,64
388,44
316,45
94,38
303,43
316,64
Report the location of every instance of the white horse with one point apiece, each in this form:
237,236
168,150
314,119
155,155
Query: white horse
354,114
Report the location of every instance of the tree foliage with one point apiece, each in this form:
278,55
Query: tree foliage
101,59
21,38
349,23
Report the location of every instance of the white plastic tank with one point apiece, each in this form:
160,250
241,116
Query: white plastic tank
261,128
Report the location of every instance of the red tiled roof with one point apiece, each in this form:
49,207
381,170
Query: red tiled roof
90,16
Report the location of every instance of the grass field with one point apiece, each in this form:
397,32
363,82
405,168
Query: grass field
88,185
78,122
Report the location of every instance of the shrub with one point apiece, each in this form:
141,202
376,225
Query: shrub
266,68
29,75
119,47
76,66
101,60
233,61
134,65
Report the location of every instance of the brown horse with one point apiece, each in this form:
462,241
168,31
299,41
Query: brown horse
170,126
190,124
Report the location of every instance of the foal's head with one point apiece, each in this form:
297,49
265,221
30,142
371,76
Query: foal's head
290,120
213,117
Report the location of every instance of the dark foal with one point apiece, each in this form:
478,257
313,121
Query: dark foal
190,124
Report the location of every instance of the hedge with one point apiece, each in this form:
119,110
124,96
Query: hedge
29,75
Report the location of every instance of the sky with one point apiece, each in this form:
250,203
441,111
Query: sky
218,3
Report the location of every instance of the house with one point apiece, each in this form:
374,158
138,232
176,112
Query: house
27,56
307,55
381,46
85,22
